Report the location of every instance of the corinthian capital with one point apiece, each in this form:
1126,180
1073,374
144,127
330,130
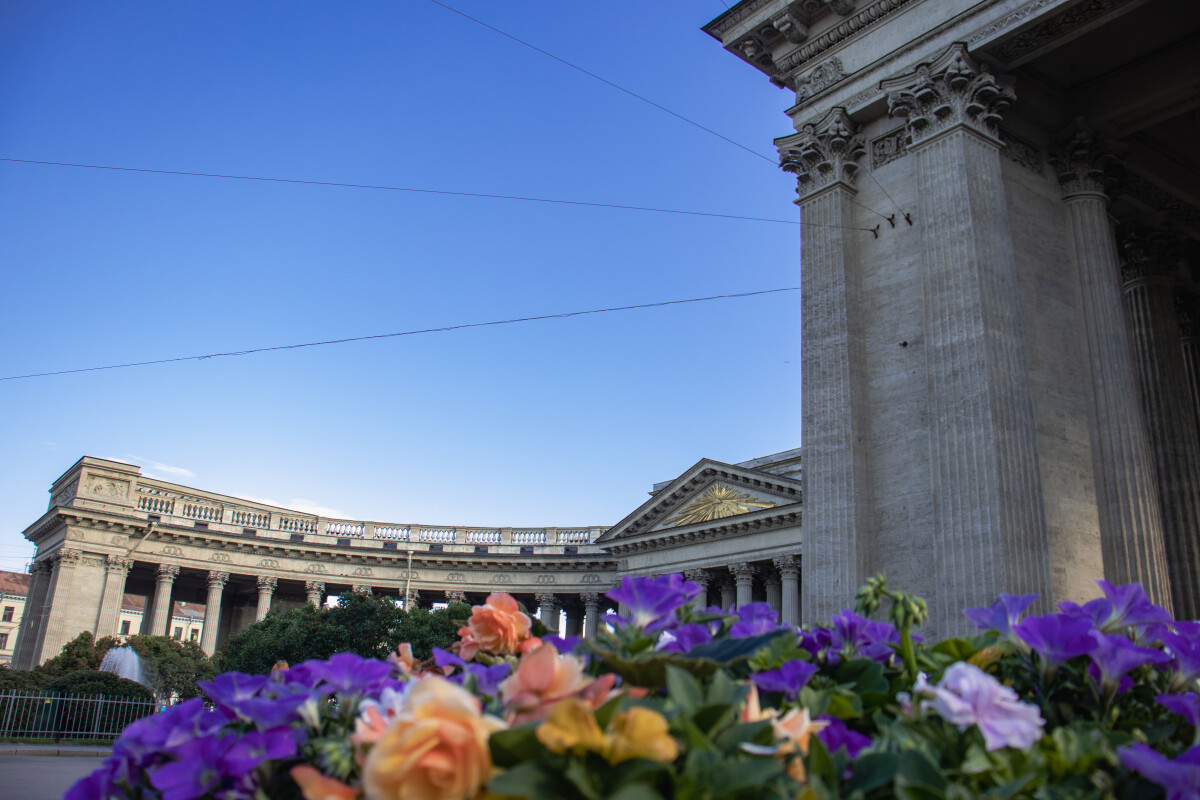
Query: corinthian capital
822,153
167,572
1147,255
953,89
1084,161
216,580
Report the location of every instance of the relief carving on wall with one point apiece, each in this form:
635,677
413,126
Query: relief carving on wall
171,550
500,577
455,577
269,563
819,79
718,502
91,562
222,558
316,569
591,577
106,488
889,147
363,572
64,497
544,579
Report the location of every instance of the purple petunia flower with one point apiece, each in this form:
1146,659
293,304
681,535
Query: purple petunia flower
251,749
198,769
564,644
444,658
790,678
488,679
1180,778
1056,637
686,637
835,735
229,688
651,602
1095,612
1185,659
754,619
969,696
1001,615
1130,606
349,673
1185,705
853,635
1114,656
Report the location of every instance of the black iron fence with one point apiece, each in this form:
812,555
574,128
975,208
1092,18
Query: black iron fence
55,715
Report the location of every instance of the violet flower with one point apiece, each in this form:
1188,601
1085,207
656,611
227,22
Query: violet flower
1115,655
1001,615
1185,659
197,770
488,679
1056,638
754,619
836,735
1131,606
253,748
1094,611
968,696
1180,778
853,635
564,644
349,673
652,602
789,678
685,637
1185,705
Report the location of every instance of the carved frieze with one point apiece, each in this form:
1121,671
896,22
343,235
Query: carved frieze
544,579
316,569
954,89
65,495
101,488
887,148
220,558
268,563
172,550
88,561
1083,161
819,79
500,577
590,577
456,577
822,153
1021,151
1053,27
815,47
363,572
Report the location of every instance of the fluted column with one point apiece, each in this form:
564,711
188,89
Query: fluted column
824,157
160,617
789,578
1131,536
702,577
266,588
55,633
116,571
1148,258
212,610
548,611
743,576
774,592
574,619
989,526
591,614
728,595
315,592
1189,342
31,619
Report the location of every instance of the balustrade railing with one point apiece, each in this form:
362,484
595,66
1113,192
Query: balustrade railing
529,537
438,535
297,525
156,505
483,537
575,537
345,528
206,513
392,532
251,519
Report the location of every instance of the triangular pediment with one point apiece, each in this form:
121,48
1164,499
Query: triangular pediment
707,494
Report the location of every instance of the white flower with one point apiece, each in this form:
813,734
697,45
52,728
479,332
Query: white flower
969,696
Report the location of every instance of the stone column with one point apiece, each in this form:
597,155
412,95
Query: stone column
315,592
702,577
1148,260
728,596
591,614
266,588
743,575
454,596
824,157
989,526
212,610
117,570
412,600
574,619
548,611
25,654
58,603
160,617
1189,341
789,577
774,596
1131,535
365,588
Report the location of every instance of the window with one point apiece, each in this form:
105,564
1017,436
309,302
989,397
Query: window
8,612
202,526
124,627
570,550
3,641
195,637
389,545
153,518
526,550
481,548
178,633
249,531
297,537
435,548
343,543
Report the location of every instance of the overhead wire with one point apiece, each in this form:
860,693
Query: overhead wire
442,329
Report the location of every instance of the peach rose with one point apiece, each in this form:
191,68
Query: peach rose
497,627
541,679
315,786
435,749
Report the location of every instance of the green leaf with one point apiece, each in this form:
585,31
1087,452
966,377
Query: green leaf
533,780
728,651
732,776
730,738
956,649
844,707
583,780
872,771
683,689
820,763
917,769
917,791
636,791
515,746
710,718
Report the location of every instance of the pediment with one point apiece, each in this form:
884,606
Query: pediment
707,494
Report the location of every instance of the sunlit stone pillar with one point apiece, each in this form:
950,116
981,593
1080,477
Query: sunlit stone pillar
117,570
824,157
743,575
1131,534
989,527
702,577
774,592
160,616
574,619
1148,259
315,592
31,620
789,590
728,595
411,600
266,588
55,633
548,611
212,610
591,614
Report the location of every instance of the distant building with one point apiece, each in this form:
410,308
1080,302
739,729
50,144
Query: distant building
14,586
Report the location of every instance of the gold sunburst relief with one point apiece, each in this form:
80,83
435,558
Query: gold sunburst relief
718,502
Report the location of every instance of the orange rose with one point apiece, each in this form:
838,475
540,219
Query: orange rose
435,749
315,786
541,679
498,627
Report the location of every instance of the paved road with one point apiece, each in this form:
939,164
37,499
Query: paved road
42,777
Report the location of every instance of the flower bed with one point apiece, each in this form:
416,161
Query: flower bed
1097,700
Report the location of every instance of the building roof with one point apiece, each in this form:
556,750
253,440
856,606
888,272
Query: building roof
16,583
136,603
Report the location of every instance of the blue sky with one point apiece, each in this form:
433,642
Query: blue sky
559,422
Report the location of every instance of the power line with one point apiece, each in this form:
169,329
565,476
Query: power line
603,80
443,329
377,187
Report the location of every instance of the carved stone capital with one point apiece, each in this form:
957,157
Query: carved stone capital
167,573
1147,255
743,571
546,599
1084,161
1187,313
314,586
266,582
788,566
69,556
953,89
120,564
43,567
216,580
591,600
456,596
790,25
700,576
362,588
822,153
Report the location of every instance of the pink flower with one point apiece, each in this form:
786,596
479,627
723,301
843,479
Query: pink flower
497,627
541,679
969,696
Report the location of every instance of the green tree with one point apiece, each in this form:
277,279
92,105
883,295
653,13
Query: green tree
170,668
370,626
82,652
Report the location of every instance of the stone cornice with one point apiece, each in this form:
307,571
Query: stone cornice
727,528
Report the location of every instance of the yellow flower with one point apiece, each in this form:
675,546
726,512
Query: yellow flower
640,733
796,727
571,726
